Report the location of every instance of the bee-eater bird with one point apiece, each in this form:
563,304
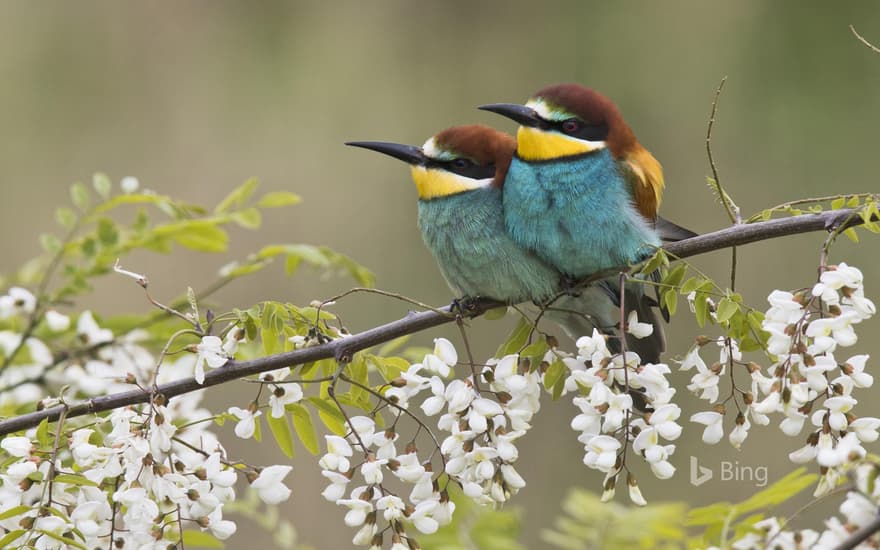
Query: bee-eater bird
582,193
458,175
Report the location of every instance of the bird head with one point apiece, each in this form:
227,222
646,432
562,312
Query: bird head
458,159
566,120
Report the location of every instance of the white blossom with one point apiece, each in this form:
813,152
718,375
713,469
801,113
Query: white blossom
247,424
338,453
18,301
57,322
712,420
269,484
210,352
17,446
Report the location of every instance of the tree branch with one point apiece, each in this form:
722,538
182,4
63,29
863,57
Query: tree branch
342,349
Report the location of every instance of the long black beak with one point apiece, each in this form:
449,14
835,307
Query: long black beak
520,113
407,153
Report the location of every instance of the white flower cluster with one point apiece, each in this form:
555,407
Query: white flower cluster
608,421
283,394
136,478
806,330
858,509
483,418
142,478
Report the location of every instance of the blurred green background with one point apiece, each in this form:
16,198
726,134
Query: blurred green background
194,97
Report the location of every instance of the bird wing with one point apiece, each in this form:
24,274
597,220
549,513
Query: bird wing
645,175
671,232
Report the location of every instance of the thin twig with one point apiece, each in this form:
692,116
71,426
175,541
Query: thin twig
413,322
863,40
386,293
731,208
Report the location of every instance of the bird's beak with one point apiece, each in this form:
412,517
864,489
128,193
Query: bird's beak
520,113
409,154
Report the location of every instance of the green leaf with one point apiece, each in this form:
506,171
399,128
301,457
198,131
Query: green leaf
701,308
517,339
50,243
200,539
556,371
670,301
65,217
535,349
15,511
692,284
838,203
7,539
726,309
249,218
853,202
281,431
201,235
851,234
653,264
389,367
275,199
305,428
65,540
80,196
675,276
707,515
107,233
237,197
329,414
75,479
102,185
778,492
43,433
235,270
495,313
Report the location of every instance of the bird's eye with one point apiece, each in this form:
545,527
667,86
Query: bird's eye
461,163
571,126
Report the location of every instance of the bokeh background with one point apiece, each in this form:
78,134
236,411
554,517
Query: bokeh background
194,97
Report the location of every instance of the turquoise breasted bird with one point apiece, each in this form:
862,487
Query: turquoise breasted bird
583,194
459,175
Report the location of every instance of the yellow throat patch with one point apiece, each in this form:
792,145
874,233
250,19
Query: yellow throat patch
433,183
535,144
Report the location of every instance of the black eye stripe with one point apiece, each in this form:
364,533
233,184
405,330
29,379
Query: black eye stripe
471,170
589,132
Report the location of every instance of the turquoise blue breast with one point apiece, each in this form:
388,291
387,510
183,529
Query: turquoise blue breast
465,233
576,213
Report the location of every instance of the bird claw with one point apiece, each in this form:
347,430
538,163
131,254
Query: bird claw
570,286
463,306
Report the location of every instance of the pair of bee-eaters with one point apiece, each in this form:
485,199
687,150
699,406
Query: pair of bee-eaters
517,220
